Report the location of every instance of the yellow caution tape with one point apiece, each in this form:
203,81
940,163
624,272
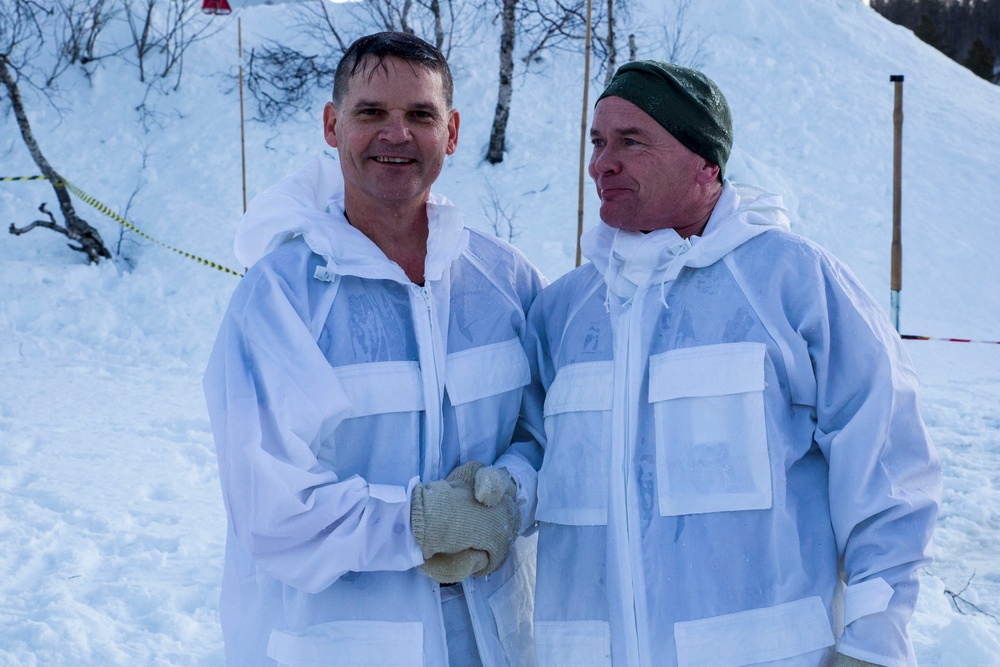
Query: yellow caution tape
103,208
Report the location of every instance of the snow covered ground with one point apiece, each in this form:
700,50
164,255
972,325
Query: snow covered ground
111,521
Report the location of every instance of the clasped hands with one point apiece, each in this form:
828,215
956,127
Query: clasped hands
466,523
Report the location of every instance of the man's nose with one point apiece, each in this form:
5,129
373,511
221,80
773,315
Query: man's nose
603,161
395,130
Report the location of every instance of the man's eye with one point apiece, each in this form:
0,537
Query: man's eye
597,143
630,142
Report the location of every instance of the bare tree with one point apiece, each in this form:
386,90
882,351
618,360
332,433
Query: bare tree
618,13
554,24
541,25
184,24
390,15
680,44
500,214
78,24
23,25
437,21
76,228
498,134
434,6
283,80
140,23
165,29
41,39
282,77
126,238
611,61
314,19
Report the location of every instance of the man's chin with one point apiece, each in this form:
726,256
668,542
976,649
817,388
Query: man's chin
613,216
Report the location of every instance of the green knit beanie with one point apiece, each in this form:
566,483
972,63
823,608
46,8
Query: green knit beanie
684,101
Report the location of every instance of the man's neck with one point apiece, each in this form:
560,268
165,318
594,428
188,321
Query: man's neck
702,215
399,231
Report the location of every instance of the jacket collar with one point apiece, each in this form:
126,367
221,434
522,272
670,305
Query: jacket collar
348,251
633,260
310,203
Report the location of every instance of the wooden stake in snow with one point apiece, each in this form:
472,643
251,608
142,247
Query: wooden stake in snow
583,136
896,280
243,144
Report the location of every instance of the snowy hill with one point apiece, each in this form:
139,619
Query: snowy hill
111,521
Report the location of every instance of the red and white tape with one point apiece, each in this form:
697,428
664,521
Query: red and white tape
950,340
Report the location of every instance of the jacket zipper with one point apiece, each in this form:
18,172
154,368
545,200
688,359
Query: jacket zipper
432,465
619,487
432,392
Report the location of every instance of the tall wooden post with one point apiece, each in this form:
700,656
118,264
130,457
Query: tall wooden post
583,138
896,280
243,145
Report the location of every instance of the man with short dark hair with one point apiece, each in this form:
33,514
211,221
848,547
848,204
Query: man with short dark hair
735,471
368,371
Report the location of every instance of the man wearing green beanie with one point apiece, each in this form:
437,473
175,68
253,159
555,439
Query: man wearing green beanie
735,467
684,101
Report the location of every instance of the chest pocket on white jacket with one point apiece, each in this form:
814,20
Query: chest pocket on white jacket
573,481
711,442
379,440
484,386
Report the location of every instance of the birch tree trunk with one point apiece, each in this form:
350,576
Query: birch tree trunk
612,49
76,229
438,25
498,135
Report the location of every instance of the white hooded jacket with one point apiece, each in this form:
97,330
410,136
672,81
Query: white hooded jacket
335,386
732,434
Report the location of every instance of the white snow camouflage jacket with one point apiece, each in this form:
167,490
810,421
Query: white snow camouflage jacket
727,423
334,387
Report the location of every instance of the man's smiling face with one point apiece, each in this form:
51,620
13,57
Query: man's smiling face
392,130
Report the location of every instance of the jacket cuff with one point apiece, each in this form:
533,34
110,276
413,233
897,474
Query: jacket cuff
526,479
394,501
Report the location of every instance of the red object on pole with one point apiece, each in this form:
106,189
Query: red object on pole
216,7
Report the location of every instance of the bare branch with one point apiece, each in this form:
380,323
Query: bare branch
48,224
680,44
76,31
331,28
282,80
500,215
957,597
165,29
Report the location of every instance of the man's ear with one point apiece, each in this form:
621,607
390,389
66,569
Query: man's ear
707,173
330,124
454,120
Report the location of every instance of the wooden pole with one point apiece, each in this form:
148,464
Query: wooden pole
243,145
896,280
583,137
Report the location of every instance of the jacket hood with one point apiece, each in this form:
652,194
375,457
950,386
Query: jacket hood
310,203
630,260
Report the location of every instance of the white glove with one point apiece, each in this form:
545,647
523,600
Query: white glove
453,568
492,484
447,518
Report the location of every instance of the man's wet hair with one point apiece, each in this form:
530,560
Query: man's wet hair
368,54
